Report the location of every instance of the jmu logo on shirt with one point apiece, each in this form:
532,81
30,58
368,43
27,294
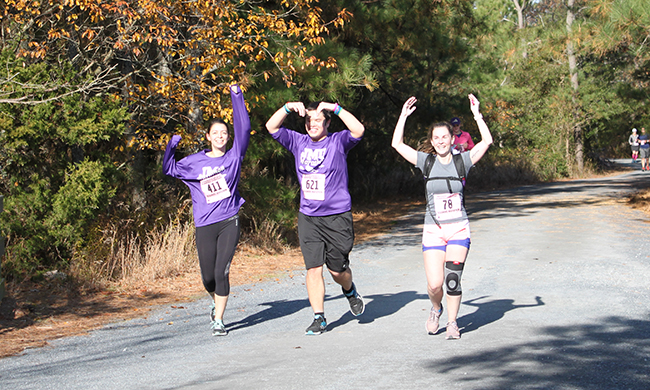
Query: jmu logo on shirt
310,158
209,171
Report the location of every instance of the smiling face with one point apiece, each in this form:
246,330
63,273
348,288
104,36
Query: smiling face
441,139
218,136
316,125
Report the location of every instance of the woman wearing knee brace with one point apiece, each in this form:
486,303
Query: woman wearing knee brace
212,177
446,235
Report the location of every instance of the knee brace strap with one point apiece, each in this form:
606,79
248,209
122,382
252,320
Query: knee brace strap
453,273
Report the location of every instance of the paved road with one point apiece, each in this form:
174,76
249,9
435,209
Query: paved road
556,296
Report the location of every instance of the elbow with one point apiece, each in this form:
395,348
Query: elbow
358,131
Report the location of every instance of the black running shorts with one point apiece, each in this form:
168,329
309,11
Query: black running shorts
326,240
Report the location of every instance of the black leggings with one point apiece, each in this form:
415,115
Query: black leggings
216,245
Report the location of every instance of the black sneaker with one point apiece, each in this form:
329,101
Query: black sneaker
356,302
318,326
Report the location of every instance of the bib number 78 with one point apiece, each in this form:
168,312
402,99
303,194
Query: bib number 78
448,206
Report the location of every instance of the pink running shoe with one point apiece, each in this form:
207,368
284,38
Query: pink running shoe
433,321
453,333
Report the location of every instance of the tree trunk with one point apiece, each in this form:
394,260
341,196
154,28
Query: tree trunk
136,164
521,23
573,72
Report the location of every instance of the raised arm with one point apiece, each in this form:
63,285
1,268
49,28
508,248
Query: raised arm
276,120
486,137
169,163
241,121
351,122
410,154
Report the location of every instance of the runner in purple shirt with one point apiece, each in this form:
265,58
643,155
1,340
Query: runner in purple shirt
325,226
212,176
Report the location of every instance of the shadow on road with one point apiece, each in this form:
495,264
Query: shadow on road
489,312
275,309
379,305
517,201
613,353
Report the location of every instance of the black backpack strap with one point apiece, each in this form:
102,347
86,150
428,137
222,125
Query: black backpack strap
460,170
460,167
428,164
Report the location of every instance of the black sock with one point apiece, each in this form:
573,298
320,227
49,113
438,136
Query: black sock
348,292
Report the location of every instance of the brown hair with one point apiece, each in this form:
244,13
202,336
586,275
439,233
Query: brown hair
427,146
214,122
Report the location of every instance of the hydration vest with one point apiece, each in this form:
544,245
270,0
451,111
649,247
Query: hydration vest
460,169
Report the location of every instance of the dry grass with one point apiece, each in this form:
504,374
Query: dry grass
641,201
130,282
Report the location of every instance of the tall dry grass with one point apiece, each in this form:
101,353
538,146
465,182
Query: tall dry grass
131,260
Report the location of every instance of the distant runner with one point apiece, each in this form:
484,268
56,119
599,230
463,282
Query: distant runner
634,145
213,176
446,235
644,150
462,140
325,219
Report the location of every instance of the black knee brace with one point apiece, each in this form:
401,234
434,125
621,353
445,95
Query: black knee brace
453,273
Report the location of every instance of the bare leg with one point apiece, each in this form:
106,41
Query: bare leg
316,289
434,262
343,278
219,306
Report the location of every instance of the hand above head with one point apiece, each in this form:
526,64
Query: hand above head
324,106
296,107
474,104
409,106
235,88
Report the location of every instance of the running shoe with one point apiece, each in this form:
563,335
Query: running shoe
433,322
212,309
218,329
453,333
356,301
318,326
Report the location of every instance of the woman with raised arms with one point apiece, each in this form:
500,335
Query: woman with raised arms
446,234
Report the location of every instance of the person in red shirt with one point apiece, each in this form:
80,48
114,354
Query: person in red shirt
462,140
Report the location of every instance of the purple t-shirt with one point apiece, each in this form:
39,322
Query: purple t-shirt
213,180
322,170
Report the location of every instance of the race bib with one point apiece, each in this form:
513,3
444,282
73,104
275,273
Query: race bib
447,206
313,186
215,188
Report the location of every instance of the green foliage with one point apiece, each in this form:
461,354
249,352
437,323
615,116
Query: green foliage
269,199
87,190
57,167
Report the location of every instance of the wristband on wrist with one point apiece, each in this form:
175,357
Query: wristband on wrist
287,110
337,109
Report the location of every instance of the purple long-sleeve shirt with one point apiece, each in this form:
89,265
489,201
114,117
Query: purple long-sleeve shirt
213,181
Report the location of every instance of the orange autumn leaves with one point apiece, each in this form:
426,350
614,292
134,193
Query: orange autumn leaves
175,58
